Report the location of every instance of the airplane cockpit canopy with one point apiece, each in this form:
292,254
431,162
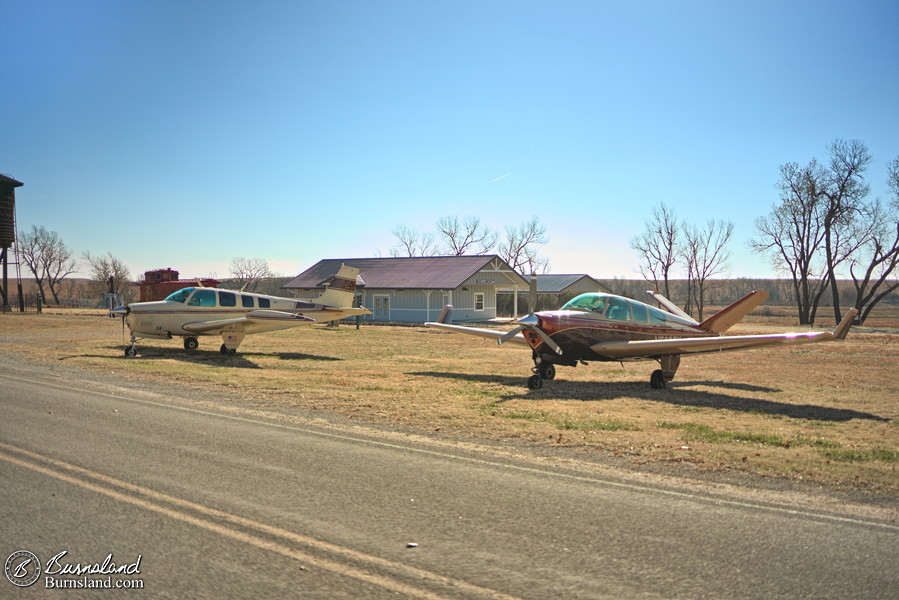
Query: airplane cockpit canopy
618,308
180,296
590,302
208,297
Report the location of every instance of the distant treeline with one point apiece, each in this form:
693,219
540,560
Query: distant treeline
722,292
83,292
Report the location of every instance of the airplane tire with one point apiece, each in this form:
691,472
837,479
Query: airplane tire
535,382
191,343
548,371
657,380
224,350
130,351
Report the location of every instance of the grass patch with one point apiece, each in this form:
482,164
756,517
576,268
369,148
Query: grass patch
698,432
561,422
856,455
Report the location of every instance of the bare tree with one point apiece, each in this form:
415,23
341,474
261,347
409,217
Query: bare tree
657,246
249,272
520,247
467,236
30,250
878,255
846,218
108,269
792,234
824,223
48,258
411,243
705,254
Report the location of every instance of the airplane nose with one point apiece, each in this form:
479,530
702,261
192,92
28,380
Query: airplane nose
529,320
120,311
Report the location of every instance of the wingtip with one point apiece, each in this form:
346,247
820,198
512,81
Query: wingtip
841,330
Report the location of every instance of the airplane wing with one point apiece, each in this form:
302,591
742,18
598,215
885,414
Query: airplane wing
653,348
488,333
262,320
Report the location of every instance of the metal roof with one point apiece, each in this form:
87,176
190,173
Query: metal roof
429,272
556,284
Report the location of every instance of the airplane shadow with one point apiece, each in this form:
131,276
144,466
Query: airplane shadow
212,357
678,393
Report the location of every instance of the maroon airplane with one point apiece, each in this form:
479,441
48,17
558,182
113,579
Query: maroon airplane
605,327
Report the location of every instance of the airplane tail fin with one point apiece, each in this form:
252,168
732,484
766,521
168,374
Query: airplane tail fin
839,333
446,316
341,290
670,306
730,316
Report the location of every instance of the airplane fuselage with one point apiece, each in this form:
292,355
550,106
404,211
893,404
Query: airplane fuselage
168,318
577,331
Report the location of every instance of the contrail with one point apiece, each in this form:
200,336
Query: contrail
501,177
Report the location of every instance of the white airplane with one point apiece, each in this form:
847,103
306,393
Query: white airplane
195,311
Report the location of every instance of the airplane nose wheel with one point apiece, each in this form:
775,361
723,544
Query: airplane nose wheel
541,372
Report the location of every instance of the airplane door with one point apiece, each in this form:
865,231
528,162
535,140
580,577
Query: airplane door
381,310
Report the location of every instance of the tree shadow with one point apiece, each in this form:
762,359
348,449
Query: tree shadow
677,394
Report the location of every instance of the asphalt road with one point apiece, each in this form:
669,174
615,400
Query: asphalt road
202,502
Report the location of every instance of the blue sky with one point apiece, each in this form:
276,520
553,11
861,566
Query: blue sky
185,133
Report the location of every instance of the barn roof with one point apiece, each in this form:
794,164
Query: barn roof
429,272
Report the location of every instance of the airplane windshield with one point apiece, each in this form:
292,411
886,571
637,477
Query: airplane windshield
181,295
589,302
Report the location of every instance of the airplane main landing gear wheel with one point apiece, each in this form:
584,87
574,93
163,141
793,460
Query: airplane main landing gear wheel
131,350
547,371
191,343
224,350
535,382
657,380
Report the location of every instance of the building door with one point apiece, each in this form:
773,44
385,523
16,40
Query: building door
381,311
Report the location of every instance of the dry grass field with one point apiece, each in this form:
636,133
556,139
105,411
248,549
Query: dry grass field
824,413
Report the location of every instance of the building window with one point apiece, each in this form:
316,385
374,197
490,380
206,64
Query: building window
479,301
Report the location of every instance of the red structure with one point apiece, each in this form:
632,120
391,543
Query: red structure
160,283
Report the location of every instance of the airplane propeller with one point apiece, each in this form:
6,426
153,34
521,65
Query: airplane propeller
530,323
121,311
